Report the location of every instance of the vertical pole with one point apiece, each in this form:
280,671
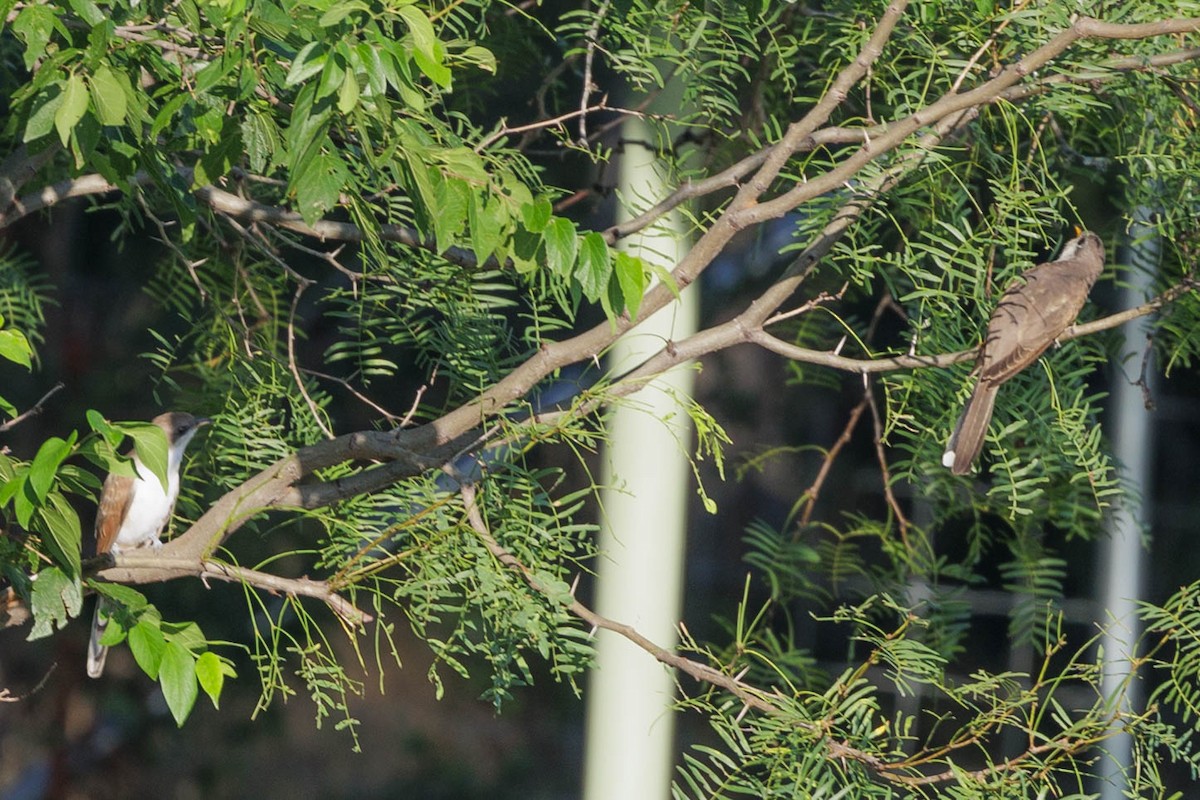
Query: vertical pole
1122,552
630,726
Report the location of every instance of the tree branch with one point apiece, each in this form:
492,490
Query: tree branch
34,411
150,567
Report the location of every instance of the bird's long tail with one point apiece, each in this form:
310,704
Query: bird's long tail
96,651
967,439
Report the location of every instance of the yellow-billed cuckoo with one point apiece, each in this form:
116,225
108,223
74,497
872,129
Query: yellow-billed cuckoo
1030,316
134,511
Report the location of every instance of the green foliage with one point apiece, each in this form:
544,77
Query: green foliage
361,233
174,654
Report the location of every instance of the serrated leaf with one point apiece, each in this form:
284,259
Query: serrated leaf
73,107
108,96
177,677
536,215
55,599
319,185
34,25
88,11
261,138
562,243
63,534
594,267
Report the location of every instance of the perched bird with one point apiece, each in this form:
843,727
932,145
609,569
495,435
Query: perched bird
1031,315
134,511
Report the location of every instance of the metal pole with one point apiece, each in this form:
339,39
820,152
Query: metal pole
1122,552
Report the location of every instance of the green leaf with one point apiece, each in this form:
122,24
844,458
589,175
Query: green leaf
177,676
24,502
261,138
185,634
434,69
166,114
480,57
56,598
348,93
41,121
34,25
487,226
100,425
88,11
562,243
340,11
63,533
308,62
453,204
45,464
131,598
108,96
319,186
151,444
369,61
594,266
210,672
536,215
13,484
631,278
74,106
15,347
148,646
423,37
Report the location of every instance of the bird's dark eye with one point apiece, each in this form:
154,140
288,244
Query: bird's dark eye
181,429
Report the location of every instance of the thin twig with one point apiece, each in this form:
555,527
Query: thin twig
588,58
345,384
885,474
814,490
558,121
291,347
34,410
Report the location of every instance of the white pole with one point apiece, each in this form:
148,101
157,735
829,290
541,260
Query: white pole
630,727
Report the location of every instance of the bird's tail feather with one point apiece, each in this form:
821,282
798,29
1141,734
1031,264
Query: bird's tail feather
967,439
96,651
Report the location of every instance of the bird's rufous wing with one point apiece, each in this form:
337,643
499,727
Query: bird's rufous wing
114,503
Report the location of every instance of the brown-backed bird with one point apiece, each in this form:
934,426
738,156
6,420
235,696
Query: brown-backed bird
1031,315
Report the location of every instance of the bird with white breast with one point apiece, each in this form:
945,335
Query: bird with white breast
133,512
